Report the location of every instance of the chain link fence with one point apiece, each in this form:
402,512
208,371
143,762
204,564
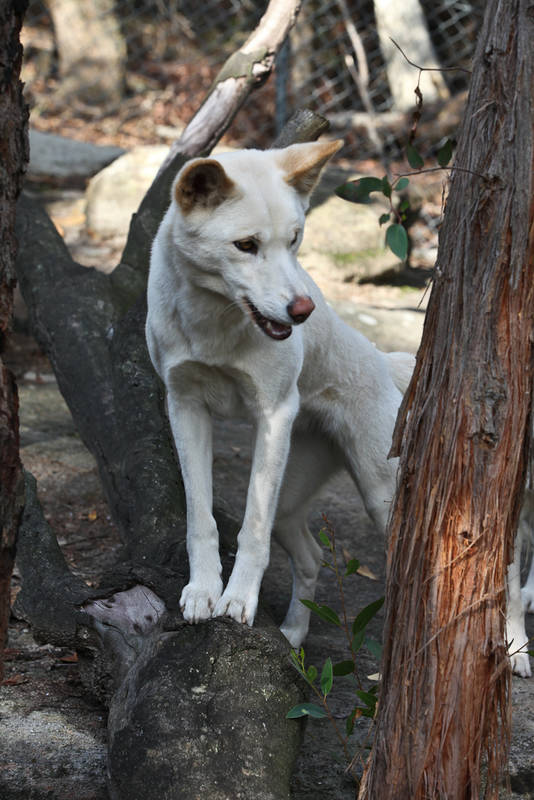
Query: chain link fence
153,61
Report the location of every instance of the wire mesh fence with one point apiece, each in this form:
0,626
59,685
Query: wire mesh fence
136,70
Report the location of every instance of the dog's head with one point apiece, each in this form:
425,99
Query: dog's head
239,224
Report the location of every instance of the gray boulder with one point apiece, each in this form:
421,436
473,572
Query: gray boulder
66,162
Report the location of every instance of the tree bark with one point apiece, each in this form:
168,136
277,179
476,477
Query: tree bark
92,51
204,696
13,157
463,434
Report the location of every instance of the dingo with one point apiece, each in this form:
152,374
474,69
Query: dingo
236,326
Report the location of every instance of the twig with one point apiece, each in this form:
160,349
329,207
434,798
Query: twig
429,69
360,75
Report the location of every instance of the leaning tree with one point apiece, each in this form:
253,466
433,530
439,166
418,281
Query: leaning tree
463,435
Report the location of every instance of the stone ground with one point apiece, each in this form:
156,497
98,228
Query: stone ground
52,735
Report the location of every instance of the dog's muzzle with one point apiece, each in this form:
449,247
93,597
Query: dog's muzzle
299,309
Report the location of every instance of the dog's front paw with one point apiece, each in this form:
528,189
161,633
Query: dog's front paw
239,606
198,600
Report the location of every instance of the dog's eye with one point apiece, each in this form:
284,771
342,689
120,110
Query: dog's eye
247,246
295,238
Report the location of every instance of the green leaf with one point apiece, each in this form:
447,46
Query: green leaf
324,539
349,726
374,647
324,612
352,567
358,191
368,698
384,218
343,668
357,641
312,673
445,153
405,205
397,240
386,187
366,614
414,159
327,677
401,184
306,710
295,660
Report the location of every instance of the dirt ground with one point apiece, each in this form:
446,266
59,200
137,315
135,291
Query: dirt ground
52,734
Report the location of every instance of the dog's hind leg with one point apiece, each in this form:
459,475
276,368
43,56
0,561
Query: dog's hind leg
516,635
305,555
311,463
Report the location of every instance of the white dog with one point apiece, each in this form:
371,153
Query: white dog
236,327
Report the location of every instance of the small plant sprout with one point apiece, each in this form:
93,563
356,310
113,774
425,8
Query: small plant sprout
360,190
356,635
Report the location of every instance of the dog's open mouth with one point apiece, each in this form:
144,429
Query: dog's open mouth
276,330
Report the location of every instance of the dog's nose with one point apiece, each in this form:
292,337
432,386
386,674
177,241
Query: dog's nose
300,308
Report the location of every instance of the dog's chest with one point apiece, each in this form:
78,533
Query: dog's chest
227,391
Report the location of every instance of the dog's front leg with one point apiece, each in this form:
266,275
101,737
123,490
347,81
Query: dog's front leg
273,435
192,430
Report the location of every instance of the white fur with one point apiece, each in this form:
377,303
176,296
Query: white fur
321,400
520,600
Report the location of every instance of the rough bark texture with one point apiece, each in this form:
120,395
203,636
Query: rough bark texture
92,51
13,158
463,434
185,702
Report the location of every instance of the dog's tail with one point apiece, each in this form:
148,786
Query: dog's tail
401,367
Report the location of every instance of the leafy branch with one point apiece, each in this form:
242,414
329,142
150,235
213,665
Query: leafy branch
356,634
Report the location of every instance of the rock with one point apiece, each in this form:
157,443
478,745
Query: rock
66,162
388,328
349,235
116,192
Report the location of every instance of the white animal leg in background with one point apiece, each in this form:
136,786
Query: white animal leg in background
527,592
273,434
516,635
312,461
526,529
305,556
192,430
374,476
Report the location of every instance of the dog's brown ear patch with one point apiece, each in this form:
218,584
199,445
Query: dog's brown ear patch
303,163
202,183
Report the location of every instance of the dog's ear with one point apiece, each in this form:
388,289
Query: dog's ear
202,183
303,163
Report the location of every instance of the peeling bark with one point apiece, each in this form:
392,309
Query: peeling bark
463,434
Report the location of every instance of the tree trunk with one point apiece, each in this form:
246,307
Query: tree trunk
464,426
13,157
204,696
405,23
92,51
